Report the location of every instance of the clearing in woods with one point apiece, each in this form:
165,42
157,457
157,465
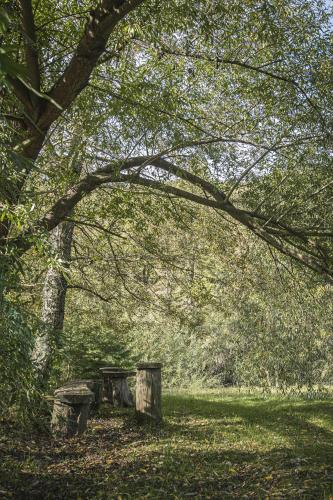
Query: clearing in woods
216,444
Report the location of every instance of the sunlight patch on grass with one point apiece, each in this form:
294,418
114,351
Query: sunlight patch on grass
214,445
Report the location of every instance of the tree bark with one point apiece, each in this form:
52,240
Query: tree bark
53,301
45,110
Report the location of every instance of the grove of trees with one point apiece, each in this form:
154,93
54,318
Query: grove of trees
165,191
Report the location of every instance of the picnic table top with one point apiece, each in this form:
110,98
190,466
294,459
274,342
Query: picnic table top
120,373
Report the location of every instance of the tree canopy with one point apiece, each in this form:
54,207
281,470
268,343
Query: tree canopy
172,161
233,98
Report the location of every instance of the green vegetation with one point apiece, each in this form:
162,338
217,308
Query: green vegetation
206,300
166,196
216,444
165,192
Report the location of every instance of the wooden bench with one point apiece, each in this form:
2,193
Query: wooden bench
116,390
71,407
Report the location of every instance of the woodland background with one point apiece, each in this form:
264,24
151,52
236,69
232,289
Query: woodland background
166,193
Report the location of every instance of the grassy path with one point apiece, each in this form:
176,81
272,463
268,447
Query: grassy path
213,445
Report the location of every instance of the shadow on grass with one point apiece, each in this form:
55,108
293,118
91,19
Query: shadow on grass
207,448
292,421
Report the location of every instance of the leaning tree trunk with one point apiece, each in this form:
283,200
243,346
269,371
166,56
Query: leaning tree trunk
53,301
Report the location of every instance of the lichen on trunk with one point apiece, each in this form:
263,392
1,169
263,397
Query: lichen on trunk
53,300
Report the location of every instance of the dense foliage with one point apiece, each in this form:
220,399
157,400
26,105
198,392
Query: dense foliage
17,389
187,146
212,316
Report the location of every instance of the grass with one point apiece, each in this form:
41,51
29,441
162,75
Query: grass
214,444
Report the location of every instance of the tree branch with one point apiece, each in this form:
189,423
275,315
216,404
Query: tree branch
31,51
112,173
303,256
75,78
258,69
92,292
22,93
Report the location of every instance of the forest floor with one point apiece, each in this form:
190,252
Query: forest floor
217,444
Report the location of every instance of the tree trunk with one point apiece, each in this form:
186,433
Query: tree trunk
55,285
53,301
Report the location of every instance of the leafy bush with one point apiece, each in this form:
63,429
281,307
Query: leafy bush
85,349
18,392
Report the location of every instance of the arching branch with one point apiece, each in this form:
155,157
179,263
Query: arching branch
263,227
